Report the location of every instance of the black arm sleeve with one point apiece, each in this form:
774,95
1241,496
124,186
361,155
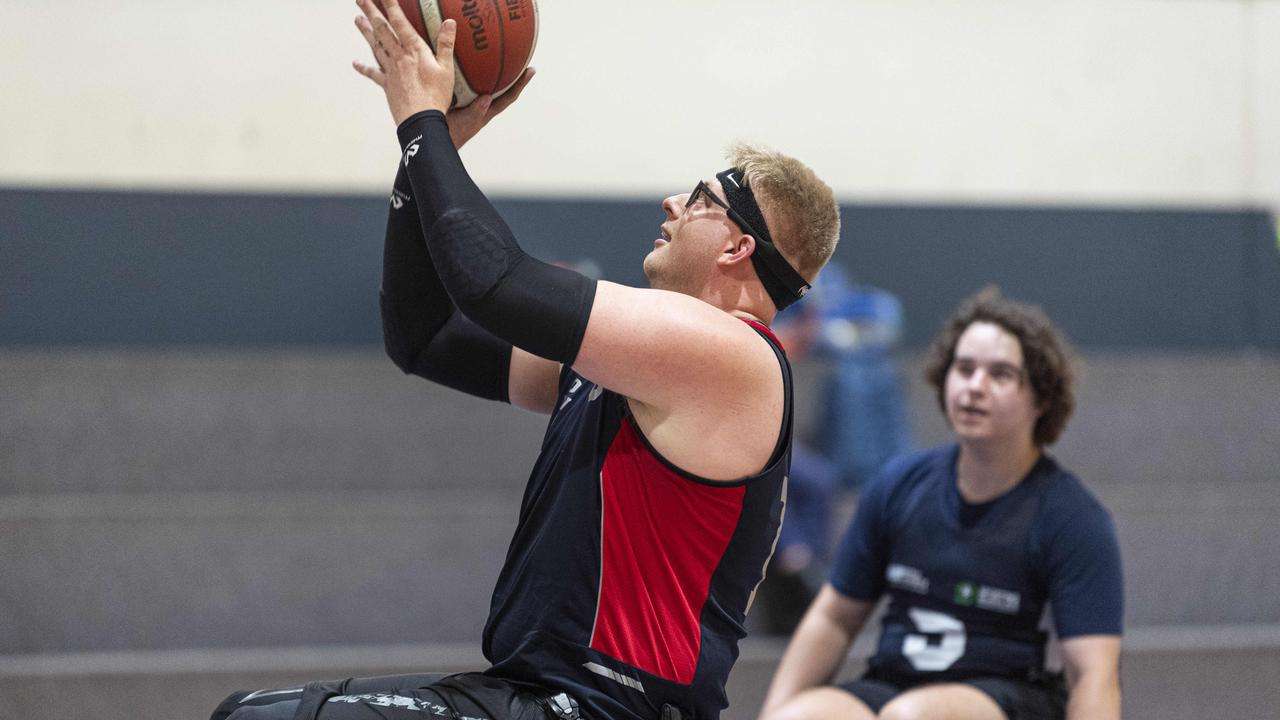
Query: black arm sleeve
535,306
423,332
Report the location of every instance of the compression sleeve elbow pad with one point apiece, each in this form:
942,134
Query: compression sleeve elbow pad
423,332
533,305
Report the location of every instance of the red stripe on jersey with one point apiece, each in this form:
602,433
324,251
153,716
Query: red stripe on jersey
662,537
764,329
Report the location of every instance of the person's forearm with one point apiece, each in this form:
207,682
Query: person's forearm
414,302
422,330
812,658
1095,697
535,306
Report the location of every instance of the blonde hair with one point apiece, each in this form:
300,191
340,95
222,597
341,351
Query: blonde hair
800,209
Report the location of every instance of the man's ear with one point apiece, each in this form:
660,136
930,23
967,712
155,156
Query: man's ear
738,250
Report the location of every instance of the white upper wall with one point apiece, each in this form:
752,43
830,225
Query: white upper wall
1111,101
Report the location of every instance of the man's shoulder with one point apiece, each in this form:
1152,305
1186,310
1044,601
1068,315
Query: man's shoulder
1070,512
1065,494
765,332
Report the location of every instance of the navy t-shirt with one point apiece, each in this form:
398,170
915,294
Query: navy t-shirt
970,586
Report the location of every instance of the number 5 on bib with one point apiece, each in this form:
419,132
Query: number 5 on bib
938,655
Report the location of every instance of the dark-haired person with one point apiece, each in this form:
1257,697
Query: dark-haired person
653,508
981,547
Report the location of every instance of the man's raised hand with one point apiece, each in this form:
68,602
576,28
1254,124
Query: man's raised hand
465,122
412,77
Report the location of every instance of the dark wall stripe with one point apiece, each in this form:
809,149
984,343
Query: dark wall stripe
132,268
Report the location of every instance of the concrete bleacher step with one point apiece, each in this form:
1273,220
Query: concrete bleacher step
162,505
115,572
168,421
191,499
156,571
163,421
1198,553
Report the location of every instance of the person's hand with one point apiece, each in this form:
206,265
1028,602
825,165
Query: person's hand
465,122
413,78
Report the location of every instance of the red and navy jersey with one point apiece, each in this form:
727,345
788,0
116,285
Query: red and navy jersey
628,580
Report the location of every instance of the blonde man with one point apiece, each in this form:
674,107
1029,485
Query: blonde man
651,513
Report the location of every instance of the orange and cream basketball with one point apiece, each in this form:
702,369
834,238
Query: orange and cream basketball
496,39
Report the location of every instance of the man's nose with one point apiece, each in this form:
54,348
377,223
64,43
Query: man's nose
978,381
672,206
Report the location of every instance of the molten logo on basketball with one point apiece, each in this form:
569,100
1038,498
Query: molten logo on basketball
471,12
496,39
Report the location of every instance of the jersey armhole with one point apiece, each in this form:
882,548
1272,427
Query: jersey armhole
784,434
785,431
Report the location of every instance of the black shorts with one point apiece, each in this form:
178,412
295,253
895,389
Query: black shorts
467,696
1044,699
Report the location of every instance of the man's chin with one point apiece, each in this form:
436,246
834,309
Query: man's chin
651,271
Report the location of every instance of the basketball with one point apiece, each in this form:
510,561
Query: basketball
495,42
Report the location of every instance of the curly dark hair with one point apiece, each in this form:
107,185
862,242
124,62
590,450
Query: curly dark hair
1046,356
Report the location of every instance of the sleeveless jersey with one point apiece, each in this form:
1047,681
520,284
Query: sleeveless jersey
968,595
628,580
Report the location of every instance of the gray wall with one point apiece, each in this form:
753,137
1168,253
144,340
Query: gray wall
116,268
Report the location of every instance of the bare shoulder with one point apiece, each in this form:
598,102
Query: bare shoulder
705,388
656,346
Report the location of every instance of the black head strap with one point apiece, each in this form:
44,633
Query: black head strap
780,280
